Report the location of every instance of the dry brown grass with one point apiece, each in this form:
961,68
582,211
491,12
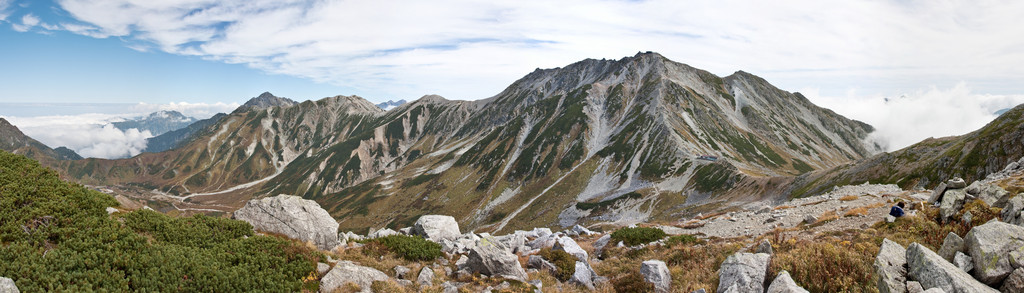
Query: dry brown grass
783,207
812,203
828,216
849,198
861,211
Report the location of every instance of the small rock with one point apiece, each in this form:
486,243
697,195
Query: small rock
952,202
345,272
7,285
539,263
951,245
1011,212
405,231
656,272
450,287
580,230
322,268
937,193
538,284
404,283
426,277
111,210
914,287
784,284
956,183
765,247
890,219
967,218
382,233
963,261
810,219
401,271
1014,283
763,209
701,290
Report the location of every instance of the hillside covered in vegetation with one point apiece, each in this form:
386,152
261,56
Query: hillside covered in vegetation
58,236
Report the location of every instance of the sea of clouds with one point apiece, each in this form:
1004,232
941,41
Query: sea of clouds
91,133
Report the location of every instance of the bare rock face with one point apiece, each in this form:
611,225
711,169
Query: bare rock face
656,272
7,286
890,267
349,272
990,246
743,271
292,216
991,194
932,271
784,284
437,227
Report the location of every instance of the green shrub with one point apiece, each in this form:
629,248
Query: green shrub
638,235
409,247
565,262
57,236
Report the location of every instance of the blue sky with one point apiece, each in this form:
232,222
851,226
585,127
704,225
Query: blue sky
888,63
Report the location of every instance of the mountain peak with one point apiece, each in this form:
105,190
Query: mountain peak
265,100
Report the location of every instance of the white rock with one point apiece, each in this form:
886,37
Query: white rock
570,246
7,286
346,272
293,217
746,271
437,227
890,268
963,261
990,246
426,277
784,284
656,273
932,271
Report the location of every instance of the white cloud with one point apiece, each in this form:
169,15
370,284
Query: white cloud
27,22
472,49
4,13
910,118
92,135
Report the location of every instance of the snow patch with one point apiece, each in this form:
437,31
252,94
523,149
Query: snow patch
443,167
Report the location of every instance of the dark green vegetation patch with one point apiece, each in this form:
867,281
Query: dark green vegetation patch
411,248
638,235
57,236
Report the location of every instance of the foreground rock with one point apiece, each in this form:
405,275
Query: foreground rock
292,216
950,246
348,272
8,286
890,267
437,227
744,272
952,202
490,257
932,271
990,245
785,284
656,272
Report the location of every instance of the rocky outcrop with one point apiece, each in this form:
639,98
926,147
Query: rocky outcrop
991,194
656,273
437,227
293,217
1011,212
7,286
348,272
890,267
744,272
990,246
490,257
783,283
932,271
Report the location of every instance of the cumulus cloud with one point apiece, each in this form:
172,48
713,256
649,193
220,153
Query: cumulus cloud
472,49
3,9
93,135
907,119
27,22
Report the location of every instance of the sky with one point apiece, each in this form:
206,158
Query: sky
924,57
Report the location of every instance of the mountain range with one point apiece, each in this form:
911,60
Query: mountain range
623,141
157,123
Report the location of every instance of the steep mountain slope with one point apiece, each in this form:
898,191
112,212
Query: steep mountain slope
174,139
627,140
971,156
157,123
14,141
264,101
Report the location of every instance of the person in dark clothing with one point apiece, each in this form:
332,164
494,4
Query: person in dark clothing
897,210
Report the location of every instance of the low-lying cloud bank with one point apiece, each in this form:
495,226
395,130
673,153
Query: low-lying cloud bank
92,135
908,119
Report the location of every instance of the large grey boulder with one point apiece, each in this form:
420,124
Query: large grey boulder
952,202
656,272
745,271
292,216
990,246
1011,213
539,263
348,272
1014,283
991,194
570,246
951,245
784,284
490,257
890,267
437,227
601,243
546,241
932,271
7,286
584,275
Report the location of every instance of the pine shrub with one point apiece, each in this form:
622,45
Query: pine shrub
638,235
